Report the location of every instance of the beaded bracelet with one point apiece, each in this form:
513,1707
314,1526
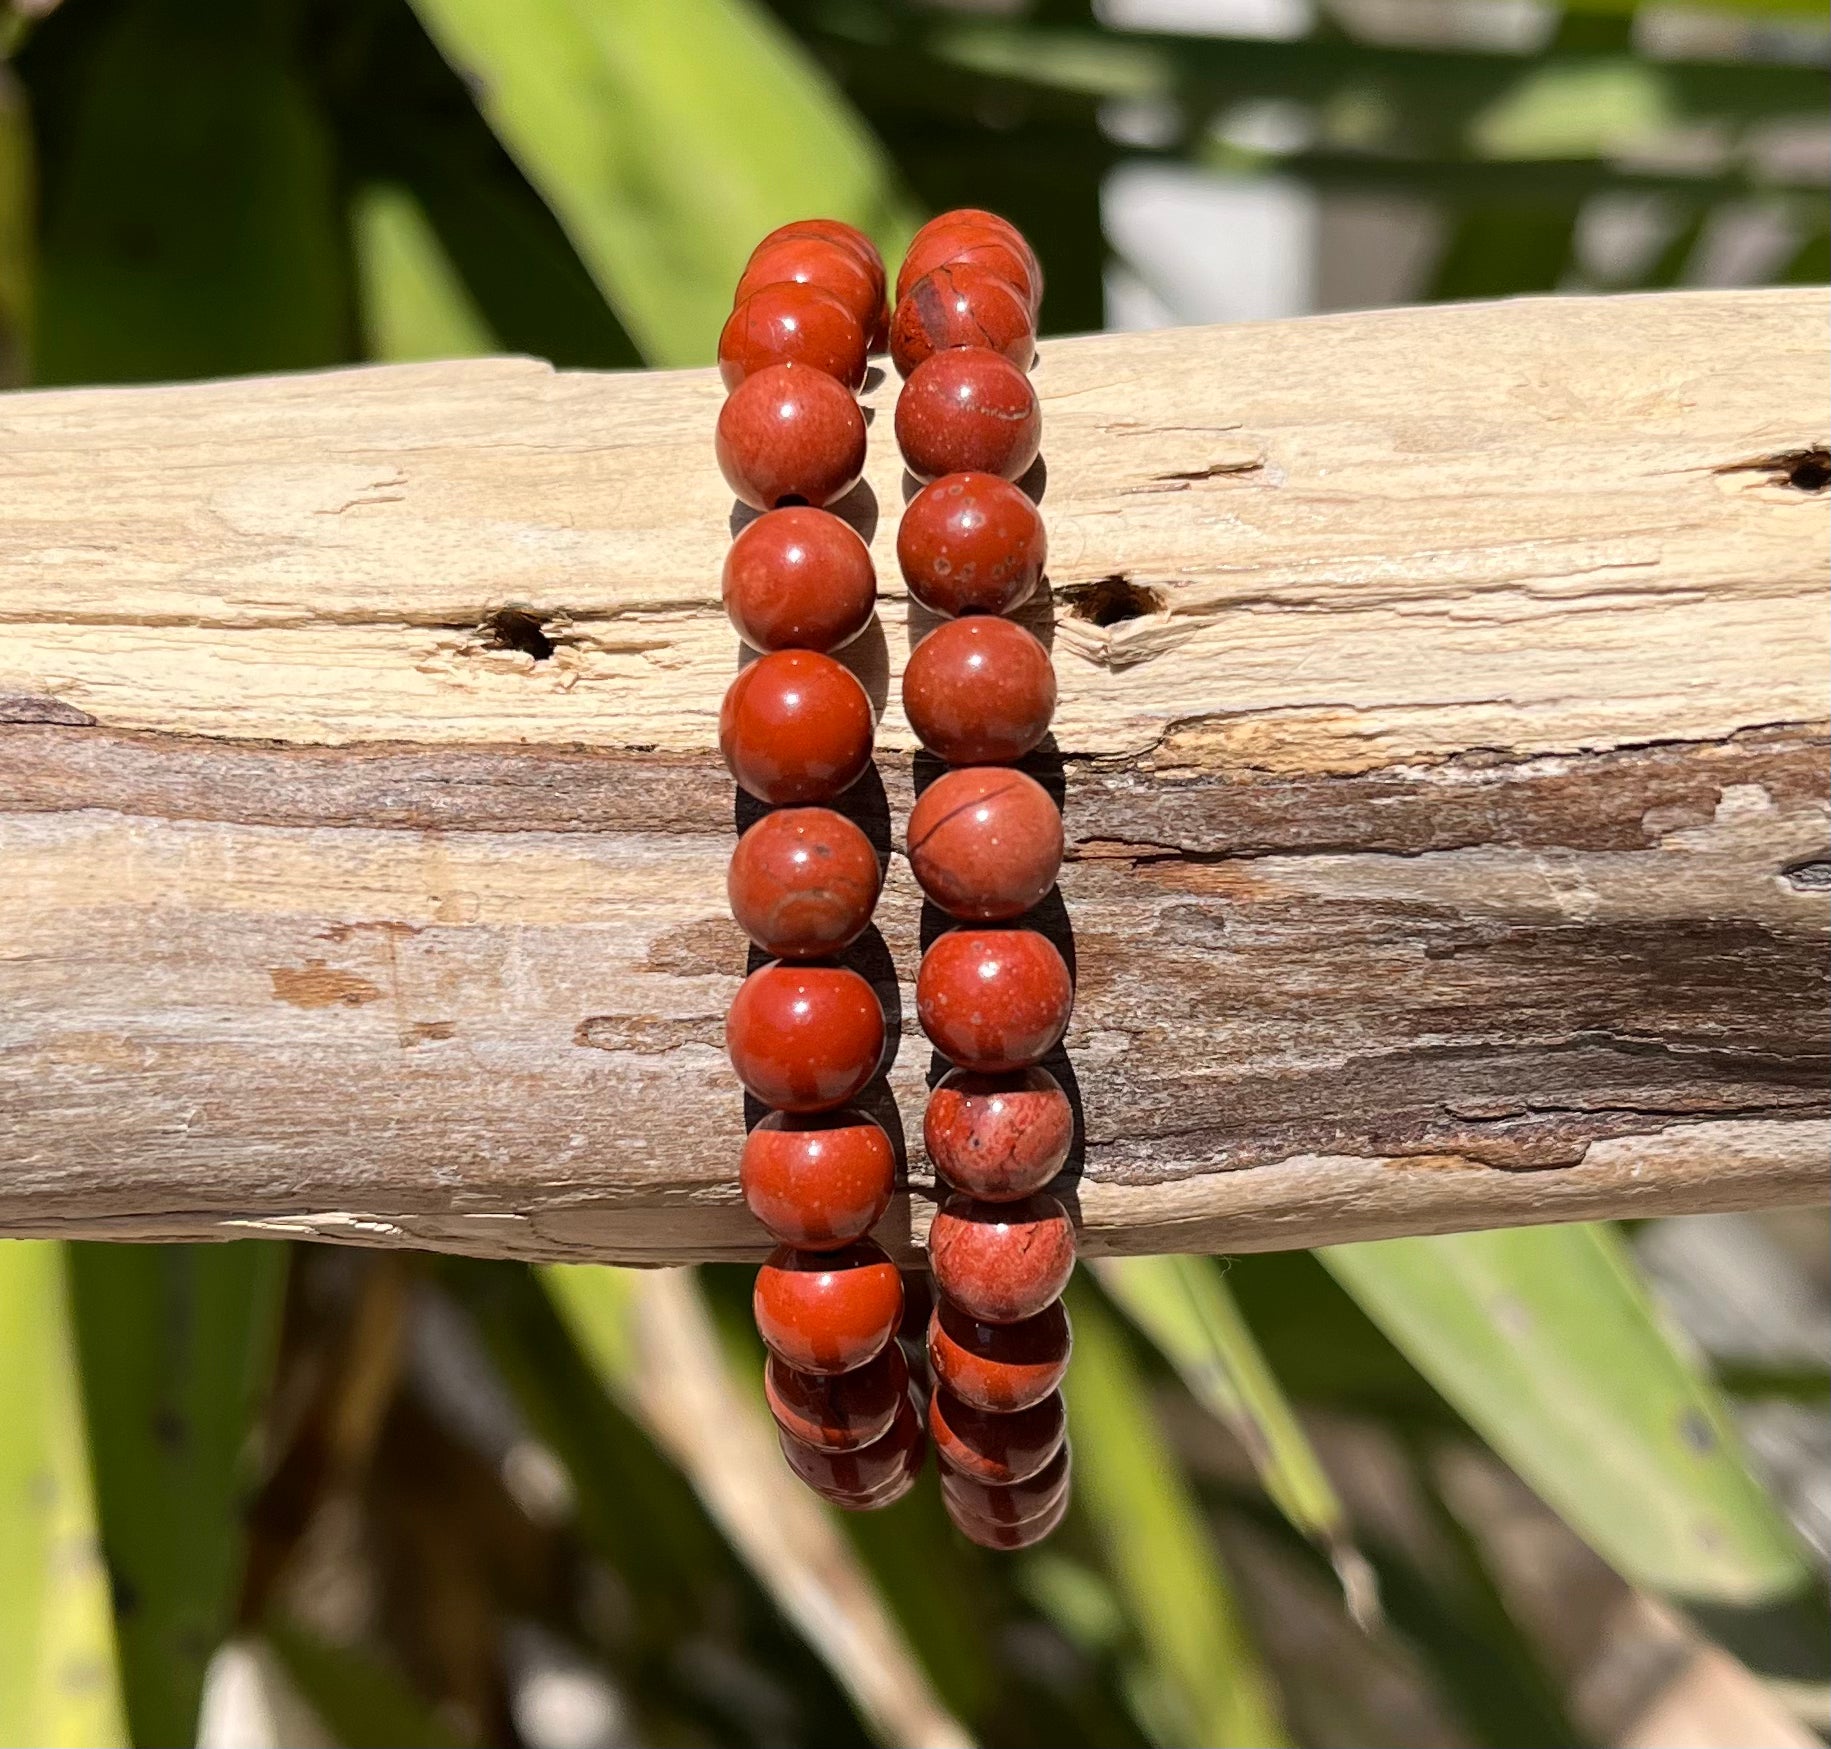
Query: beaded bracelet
984,842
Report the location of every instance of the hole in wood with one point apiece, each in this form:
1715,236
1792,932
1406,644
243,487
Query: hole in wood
1112,600
1809,470
516,628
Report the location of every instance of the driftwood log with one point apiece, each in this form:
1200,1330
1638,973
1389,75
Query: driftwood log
1442,744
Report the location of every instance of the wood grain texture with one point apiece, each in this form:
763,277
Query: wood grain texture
1442,750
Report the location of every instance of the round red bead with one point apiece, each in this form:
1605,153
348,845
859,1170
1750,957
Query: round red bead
961,304
993,999
999,1367
1001,1262
838,1411
996,1448
830,231
983,239
835,268
985,842
804,1038
827,1311
790,435
998,1137
1010,1504
867,1476
967,410
803,883
991,1535
979,691
799,579
817,1181
792,324
795,727
971,543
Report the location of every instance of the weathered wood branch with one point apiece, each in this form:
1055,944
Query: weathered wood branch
1442,740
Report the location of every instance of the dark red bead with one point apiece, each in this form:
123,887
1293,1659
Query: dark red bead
991,1535
819,1180
993,999
804,1038
961,304
836,268
999,1367
792,324
838,1411
985,842
996,1448
830,231
979,691
799,579
827,1311
790,435
971,543
795,727
1011,1504
803,883
998,1137
967,410
863,1477
983,239
1001,1262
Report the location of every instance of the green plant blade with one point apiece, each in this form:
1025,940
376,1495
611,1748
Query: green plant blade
177,1345
1203,1683
58,1682
191,225
1183,1305
414,306
667,135
1546,1341
365,1703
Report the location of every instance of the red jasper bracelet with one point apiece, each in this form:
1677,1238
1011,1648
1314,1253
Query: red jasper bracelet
985,843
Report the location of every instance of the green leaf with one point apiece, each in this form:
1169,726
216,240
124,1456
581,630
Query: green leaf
668,135
58,1682
1183,1305
364,1702
177,1345
191,226
414,305
1202,1681
16,245
1545,1339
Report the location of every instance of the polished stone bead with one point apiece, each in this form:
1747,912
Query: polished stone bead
830,231
804,1038
1001,1262
985,842
838,1411
982,238
833,267
989,1534
799,579
803,882
967,410
790,434
998,1137
993,999
996,1448
961,304
999,1367
872,1477
827,1311
971,543
820,1180
795,727
979,691
792,324
1008,1504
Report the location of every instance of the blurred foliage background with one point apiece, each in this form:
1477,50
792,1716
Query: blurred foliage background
1561,1486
